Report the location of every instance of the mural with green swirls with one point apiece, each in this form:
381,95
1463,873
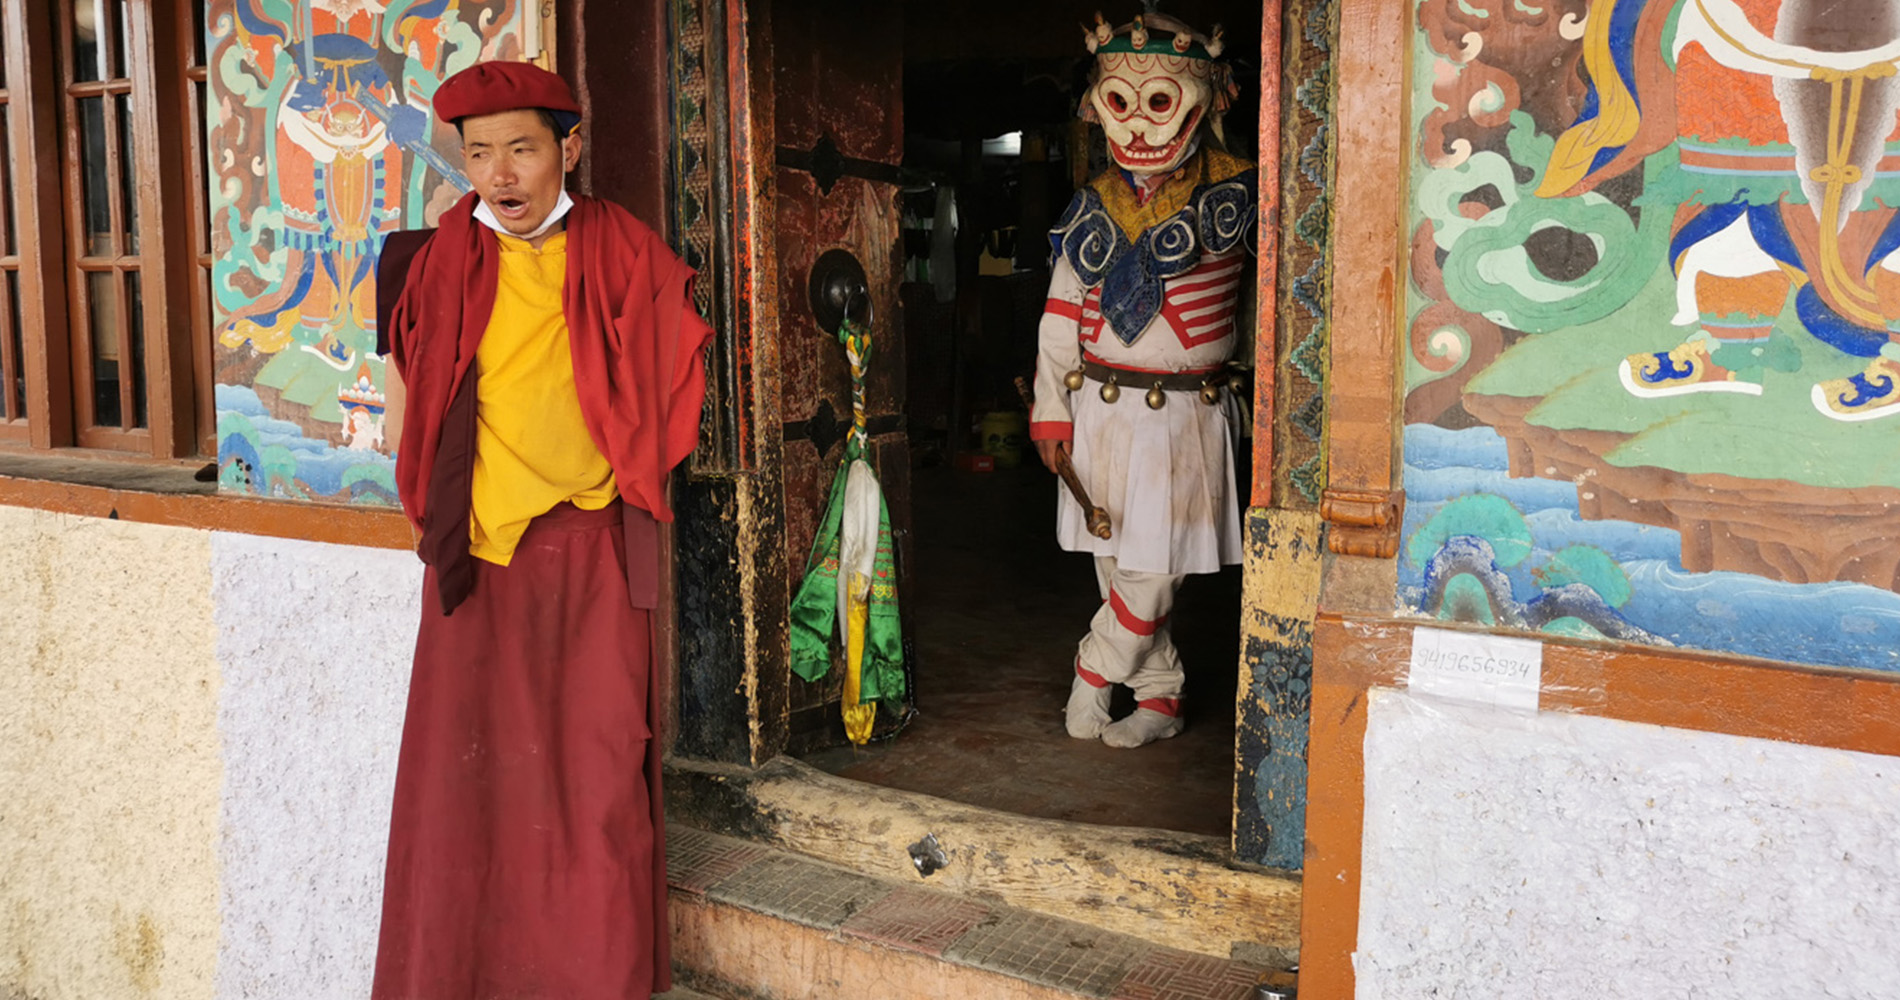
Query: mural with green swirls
1652,390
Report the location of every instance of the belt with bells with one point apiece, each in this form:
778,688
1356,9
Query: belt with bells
1208,382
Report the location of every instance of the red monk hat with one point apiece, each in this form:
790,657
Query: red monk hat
488,88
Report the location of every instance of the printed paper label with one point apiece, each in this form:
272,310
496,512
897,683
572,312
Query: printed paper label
1477,667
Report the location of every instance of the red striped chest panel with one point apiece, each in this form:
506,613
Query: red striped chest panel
1200,304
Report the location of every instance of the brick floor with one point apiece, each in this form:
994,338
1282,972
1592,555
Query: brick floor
1053,952
696,861
917,919
802,891
1167,974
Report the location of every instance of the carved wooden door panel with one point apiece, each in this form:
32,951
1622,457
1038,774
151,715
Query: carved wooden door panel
838,118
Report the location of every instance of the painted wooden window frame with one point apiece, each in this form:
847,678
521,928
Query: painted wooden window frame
174,260
29,38
152,67
175,234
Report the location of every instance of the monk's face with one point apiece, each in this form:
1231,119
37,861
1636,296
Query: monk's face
517,165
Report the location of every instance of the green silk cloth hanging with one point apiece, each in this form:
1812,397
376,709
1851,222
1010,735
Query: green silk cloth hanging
850,584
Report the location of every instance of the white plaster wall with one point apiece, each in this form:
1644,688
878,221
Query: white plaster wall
109,768
1559,856
315,643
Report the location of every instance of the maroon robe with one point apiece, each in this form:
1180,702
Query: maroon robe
525,852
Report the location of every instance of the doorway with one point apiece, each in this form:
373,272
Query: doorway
991,154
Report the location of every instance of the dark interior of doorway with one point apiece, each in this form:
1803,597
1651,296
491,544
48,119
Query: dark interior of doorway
995,607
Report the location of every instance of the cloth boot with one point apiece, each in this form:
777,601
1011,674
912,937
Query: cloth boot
1088,706
1128,643
1142,727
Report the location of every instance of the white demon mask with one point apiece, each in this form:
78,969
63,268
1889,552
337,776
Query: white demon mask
1151,92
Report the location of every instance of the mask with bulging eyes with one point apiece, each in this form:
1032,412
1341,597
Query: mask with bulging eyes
1150,106
1151,92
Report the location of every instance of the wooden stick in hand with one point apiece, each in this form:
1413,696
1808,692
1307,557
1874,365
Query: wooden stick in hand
1096,518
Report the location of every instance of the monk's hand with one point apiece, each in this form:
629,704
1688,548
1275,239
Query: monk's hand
1048,450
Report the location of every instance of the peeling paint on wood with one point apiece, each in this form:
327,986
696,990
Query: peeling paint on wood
714,691
1280,598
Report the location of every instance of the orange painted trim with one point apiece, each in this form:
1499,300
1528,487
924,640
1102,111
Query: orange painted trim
751,152
1839,709
1362,411
382,528
1335,818
1267,257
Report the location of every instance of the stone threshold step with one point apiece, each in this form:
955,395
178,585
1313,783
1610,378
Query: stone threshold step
752,921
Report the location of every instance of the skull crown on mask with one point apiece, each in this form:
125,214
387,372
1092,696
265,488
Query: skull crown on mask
1151,93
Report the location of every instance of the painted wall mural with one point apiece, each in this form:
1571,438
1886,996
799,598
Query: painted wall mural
1653,378
322,142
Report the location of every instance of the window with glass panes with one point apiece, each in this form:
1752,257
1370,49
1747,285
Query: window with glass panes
106,260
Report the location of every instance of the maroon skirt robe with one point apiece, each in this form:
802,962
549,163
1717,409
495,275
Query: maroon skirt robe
525,850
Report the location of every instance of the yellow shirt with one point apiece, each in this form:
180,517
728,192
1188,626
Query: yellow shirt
532,449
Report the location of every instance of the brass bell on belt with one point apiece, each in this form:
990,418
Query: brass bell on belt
1210,393
1156,398
1073,380
1111,391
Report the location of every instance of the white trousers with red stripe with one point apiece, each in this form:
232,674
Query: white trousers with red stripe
1128,640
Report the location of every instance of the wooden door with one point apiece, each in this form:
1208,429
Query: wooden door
838,119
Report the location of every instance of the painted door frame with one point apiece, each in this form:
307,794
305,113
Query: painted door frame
729,560
733,682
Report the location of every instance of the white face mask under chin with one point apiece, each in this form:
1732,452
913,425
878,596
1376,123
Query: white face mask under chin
486,216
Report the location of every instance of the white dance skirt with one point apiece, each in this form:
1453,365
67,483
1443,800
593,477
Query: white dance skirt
1165,476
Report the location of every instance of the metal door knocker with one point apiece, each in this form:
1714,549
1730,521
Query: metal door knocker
839,290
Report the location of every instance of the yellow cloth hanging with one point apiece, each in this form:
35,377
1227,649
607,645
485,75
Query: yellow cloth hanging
859,717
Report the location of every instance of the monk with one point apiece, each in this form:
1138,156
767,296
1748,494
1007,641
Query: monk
548,368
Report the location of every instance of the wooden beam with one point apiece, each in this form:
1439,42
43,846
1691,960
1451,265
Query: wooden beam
374,528
1177,889
1368,258
1267,259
